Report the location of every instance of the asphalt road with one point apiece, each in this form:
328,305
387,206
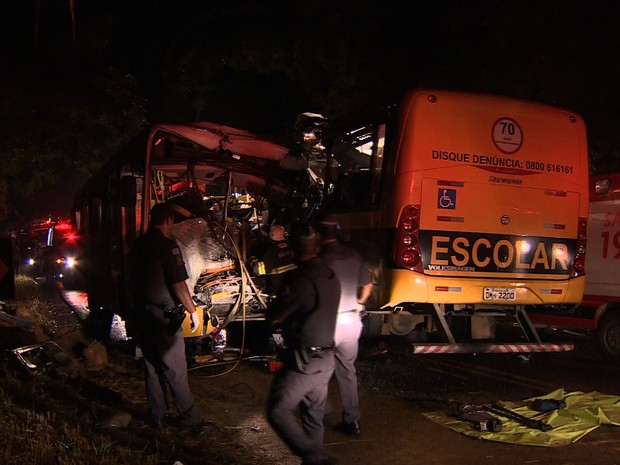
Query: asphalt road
399,388
499,376
410,385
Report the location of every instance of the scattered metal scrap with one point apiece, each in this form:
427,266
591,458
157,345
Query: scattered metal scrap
484,417
521,419
482,420
48,359
41,358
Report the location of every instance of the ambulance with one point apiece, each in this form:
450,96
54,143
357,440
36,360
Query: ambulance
599,312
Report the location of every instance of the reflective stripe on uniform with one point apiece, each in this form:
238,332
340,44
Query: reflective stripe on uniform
260,268
282,269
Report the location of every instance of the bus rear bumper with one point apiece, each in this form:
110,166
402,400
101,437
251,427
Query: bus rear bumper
410,287
488,348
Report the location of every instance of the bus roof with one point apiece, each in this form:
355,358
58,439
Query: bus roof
215,136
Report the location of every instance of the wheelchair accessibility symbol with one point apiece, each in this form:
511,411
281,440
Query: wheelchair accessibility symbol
446,199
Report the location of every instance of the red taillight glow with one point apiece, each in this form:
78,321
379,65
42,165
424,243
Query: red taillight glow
71,237
411,257
410,225
63,226
579,265
406,245
580,254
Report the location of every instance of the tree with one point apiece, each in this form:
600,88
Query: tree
64,111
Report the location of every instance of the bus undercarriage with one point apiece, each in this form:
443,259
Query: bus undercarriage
443,329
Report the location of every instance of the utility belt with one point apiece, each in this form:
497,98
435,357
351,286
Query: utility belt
318,350
301,356
359,312
348,316
175,316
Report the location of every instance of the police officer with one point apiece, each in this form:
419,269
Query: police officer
356,286
306,311
158,276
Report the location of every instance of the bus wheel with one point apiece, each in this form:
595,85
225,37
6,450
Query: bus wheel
402,323
408,327
608,335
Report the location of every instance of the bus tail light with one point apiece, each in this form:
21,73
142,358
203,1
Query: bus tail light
406,245
580,250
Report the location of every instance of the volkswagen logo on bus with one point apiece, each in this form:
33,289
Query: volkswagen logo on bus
505,219
507,135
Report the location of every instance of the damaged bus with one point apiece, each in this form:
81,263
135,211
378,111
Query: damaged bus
468,208
227,187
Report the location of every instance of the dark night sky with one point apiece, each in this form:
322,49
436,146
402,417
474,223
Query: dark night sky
257,65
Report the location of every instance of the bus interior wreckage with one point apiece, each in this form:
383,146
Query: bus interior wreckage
227,187
225,205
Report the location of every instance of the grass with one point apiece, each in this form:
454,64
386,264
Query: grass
36,430
45,421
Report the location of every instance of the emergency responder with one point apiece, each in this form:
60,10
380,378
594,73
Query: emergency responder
306,311
277,259
356,286
161,296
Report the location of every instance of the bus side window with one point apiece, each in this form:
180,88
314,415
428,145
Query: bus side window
356,167
351,190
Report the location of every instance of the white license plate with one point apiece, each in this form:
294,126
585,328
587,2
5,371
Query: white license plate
499,293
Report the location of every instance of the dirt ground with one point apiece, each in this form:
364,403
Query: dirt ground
234,394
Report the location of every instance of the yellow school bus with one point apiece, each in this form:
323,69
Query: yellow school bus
464,205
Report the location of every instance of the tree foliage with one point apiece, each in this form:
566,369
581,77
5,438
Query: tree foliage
64,111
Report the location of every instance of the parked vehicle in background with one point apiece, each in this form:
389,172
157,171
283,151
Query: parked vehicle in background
50,250
32,241
599,311
61,259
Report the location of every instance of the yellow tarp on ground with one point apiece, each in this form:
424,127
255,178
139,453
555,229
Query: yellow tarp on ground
584,412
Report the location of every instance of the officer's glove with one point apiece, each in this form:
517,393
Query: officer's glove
195,321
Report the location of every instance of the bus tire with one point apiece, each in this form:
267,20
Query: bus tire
608,335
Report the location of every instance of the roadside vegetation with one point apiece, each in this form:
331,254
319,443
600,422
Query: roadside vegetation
36,430
43,422
47,418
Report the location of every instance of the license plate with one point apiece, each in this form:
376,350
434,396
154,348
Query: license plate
499,293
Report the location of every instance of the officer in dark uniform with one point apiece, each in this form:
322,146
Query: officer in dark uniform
356,286
306,310
158,277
